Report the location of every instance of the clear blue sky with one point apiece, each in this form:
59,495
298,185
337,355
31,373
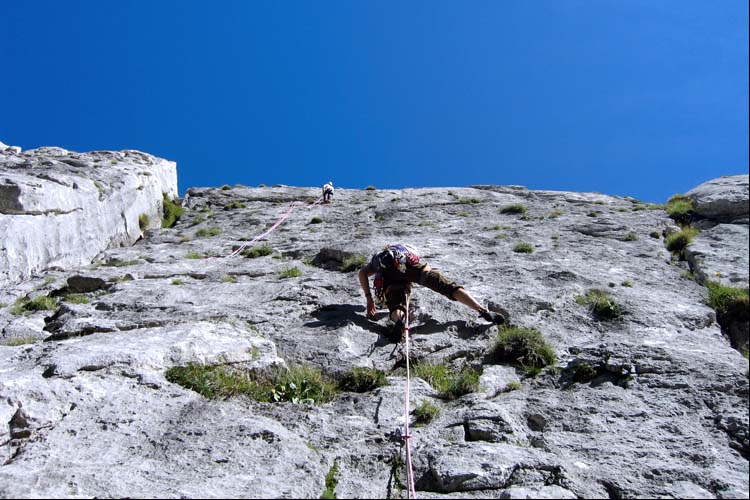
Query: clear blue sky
641,98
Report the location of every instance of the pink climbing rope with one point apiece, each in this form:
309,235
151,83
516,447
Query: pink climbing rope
281,219
411,491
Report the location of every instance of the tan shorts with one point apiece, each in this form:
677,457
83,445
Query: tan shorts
396,291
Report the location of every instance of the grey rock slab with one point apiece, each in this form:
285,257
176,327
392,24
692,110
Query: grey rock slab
59,208
725,199
720,254
666,414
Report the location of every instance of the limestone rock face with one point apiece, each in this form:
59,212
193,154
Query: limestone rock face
60,209
726,199
86,408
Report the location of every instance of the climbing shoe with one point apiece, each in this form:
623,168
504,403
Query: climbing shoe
494,317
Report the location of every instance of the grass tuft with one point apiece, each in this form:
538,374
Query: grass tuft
362,380
425,413
143,222
449,384
602,306
331,481
524,346
290,272
299,384
353,263
727,300
171,212
680,208
259,251
513,209
523,247
76,298
678,242
206,232
316,220
27,306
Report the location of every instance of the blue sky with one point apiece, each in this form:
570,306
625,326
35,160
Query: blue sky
639,98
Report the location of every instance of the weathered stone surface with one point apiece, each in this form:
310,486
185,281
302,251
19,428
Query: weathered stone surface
89,412
726,199
59,208
721,254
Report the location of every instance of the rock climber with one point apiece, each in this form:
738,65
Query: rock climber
328,192
396,267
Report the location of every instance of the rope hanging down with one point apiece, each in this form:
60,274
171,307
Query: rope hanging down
281,219
411,491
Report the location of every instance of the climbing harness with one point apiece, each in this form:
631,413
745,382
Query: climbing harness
406,436
281,219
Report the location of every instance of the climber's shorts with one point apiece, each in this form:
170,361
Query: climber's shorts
395,293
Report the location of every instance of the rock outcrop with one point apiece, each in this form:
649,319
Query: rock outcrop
60,209
87,410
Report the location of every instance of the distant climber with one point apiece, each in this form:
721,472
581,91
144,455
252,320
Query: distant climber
328,192
396,267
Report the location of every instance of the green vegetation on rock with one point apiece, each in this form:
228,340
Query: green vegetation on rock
601,304
523,346
450,384
362,380
171,212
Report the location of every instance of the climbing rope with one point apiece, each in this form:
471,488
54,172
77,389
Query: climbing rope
281,219
411,491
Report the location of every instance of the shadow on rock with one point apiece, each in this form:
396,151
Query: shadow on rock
340,315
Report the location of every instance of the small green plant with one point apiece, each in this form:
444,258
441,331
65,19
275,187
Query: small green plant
602,306
655,235
513,209
627,284
226,187
185,239
40,303
583,372
522,247
425,413
426,223
143,222
316,220
290,272
198,220
177,282
171,212
449,384
353,263
680,208
228,278
362,380
298,384
16,341
524,346
259,251
76,298
330,492
727,300
370,188
194,255
513,386
555,214
206,232
594,213
234,205
678,242
468,200
631,236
